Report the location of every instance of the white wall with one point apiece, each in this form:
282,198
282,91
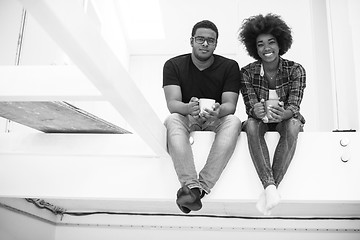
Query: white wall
344,21
10,22
331,99
10,18
15,226
114,233
295,13
354,21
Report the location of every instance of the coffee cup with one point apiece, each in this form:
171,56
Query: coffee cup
206,103
269,103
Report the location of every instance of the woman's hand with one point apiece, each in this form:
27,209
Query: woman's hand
277,113
259,109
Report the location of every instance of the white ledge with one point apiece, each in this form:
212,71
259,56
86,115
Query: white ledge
119,172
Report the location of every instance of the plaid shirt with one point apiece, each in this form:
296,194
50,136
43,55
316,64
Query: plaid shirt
290,85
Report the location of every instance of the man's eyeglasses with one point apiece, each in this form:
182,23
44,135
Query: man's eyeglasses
201,40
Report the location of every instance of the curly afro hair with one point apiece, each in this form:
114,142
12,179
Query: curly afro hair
270,24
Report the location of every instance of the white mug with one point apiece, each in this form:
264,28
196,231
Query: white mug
268,103
206,103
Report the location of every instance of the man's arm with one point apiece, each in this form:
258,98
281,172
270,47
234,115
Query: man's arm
174,102
228,106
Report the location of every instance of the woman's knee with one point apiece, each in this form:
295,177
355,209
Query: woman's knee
252,125
294,126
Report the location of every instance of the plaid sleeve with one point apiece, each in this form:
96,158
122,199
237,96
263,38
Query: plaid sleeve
247,91
298,84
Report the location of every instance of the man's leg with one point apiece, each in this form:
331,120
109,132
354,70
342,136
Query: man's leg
178,131
227,132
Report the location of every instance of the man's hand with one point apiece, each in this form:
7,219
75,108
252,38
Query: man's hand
211,114
193,106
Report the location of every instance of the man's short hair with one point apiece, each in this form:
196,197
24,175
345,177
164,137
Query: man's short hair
205,24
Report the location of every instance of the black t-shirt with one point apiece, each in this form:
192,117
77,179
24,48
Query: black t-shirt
222,76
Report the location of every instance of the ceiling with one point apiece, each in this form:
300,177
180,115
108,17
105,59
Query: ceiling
178,18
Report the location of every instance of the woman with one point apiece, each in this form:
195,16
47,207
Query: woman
266,39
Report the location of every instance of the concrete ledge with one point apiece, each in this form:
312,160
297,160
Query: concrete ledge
317,171
99,171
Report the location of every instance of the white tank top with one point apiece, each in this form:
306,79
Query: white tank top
273,94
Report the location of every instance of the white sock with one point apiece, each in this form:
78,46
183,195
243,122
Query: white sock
272,198
261,204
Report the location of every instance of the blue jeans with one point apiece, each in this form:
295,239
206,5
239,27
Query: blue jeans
284,152
179,127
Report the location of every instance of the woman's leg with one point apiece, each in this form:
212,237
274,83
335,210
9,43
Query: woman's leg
255,130
284,152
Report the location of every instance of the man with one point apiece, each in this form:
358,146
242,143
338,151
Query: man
186,79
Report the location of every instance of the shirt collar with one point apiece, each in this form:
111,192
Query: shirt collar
262,72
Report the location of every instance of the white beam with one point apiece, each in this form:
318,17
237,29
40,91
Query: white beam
46,83
69,27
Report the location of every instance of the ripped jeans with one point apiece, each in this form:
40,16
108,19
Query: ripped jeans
284,152
178,127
